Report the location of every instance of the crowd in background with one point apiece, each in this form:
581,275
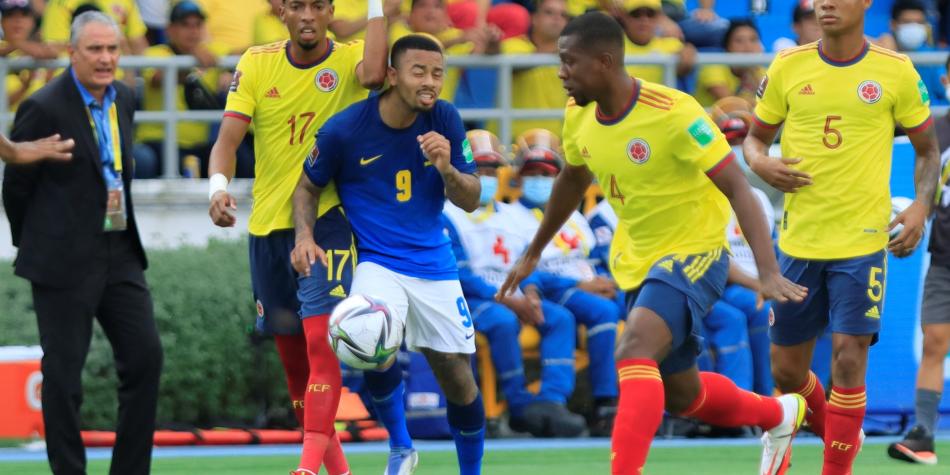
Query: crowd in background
211,29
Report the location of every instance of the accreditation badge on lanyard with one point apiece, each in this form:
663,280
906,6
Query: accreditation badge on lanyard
115,219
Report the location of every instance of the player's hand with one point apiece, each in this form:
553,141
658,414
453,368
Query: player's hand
392,8
437,149
776,287
779,174
522,269
913,218
305,255
222,209
599,285
51,147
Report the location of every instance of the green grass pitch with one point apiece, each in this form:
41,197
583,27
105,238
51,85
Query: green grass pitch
706,460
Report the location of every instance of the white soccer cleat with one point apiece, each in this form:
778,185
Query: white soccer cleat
778,440
402,462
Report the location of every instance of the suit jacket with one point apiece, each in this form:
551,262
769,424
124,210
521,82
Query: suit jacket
56,209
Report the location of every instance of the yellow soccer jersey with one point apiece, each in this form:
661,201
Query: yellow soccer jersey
58,16
533,88
288,102
653,163
719,75
268,28
839,118
658,45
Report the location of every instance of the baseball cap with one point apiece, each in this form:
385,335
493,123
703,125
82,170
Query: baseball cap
185,9
539,148
7,6
486,148
631,5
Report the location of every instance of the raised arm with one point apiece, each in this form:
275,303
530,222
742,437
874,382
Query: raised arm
372,70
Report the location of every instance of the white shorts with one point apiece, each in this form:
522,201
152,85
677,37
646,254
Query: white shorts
435,313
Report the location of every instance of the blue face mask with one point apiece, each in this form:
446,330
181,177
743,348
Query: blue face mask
489,188
537,189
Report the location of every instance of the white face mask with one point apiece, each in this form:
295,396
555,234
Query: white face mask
911,36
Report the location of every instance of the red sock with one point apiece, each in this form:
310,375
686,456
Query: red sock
721,403
293,354
323,393
842,427
639,413
334,459
814,394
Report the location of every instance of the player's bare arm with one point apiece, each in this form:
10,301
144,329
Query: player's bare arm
775,171
222,161
751,217
306,251
566,196
22,153
740,277
371,71
462,189
926,176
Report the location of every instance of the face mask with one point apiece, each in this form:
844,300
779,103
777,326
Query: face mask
537,189
489,188
911,36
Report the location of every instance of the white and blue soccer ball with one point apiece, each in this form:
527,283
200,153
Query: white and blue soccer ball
365,332
898,205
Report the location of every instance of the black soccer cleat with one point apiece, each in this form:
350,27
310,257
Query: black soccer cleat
917,447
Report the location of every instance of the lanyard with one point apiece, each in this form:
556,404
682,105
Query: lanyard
114,129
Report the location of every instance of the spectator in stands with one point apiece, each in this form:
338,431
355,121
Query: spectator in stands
155,16
539,87
911,32
511,18
486,249
565,273
639,19
231,22
186,37
804,24
349,17
18,23
60,13
702,27
268,27
429,17
718,81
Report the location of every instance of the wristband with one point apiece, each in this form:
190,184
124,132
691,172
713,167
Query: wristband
374,9
217,182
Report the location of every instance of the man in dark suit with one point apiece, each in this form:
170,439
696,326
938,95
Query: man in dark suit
79,247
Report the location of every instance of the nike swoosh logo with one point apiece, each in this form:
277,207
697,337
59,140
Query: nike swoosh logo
427,163
367,161
469,337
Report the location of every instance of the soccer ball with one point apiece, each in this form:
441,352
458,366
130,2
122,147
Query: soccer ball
898,205
365,332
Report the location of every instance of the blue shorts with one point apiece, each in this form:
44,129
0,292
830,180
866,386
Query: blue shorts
848,294
282,297
682,290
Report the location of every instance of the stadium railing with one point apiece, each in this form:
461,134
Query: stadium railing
504,64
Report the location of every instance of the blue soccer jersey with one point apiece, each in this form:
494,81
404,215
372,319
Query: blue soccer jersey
391,193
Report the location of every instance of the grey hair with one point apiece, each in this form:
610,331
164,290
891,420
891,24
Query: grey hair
86,18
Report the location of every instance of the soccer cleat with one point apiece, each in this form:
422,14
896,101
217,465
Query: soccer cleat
917,447
777,441
302,471
402,462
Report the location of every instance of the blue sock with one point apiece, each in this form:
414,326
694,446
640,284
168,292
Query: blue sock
468,429
387,390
